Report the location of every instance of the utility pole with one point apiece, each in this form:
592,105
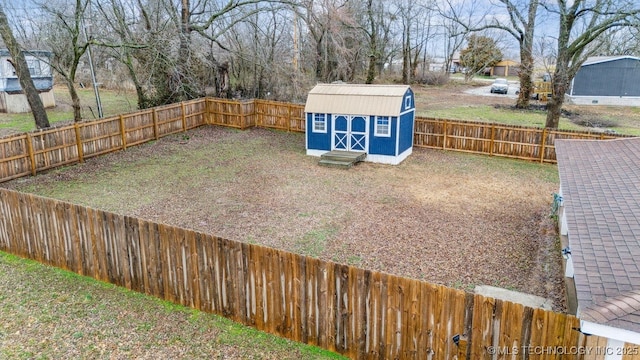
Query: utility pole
93,73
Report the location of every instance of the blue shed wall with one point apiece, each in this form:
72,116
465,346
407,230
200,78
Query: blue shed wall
406,131
380,145
318,141
407,115
401,127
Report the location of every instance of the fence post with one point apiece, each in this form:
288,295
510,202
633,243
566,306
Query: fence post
493,138
543,144
259,111
123,133
154,115
184,118
79,142
444,141
31,156
289,120
207,111
242,119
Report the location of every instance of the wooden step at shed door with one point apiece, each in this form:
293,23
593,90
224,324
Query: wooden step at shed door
341,159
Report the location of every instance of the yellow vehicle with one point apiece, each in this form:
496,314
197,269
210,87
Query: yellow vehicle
542,90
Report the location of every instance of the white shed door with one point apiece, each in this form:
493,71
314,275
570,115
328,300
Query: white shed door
350,132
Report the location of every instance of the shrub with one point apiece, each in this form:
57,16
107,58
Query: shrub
433,78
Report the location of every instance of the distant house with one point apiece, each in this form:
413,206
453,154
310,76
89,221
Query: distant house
505,68
12,99
599,220
607,80
372,119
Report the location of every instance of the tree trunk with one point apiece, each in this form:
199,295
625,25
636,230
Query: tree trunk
406,57
526,70
560,80
75,101
526,57
554,105
22,71
373,44
371,71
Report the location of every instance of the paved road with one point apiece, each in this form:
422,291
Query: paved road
486,90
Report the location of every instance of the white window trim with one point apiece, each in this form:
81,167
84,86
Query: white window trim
376,131
315,130
407,102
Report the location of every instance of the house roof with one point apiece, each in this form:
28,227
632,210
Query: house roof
601,59
381,100
507,62
36,53
600,183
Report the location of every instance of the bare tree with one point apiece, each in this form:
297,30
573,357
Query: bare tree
411,14
457,17
582,24
624,41
134,39
260,54
522,21
22,71
520,25
377,29
335,39
63,34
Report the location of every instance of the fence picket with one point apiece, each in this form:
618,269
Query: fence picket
359,313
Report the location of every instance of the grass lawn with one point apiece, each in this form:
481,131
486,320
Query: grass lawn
114,102
450,101
258,186
48,313
440,216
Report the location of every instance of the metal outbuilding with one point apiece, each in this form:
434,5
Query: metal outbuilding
374,119
607,80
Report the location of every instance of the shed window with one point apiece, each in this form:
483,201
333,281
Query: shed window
320,123
383,126
34,67
407,102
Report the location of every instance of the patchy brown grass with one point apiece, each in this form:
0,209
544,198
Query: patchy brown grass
445,217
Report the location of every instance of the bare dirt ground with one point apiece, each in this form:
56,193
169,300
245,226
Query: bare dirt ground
444,217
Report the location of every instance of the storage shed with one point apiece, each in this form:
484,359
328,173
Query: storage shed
607,80
12,98
373,119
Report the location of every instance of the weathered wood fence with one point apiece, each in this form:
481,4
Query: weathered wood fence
360,313
29,153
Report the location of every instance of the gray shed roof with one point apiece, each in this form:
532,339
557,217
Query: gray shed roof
381,100
601,59
601,194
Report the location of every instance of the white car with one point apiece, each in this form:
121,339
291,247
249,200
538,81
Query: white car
500,86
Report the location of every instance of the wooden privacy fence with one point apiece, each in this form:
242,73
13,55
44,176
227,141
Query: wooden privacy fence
360,313
29,153
520,142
